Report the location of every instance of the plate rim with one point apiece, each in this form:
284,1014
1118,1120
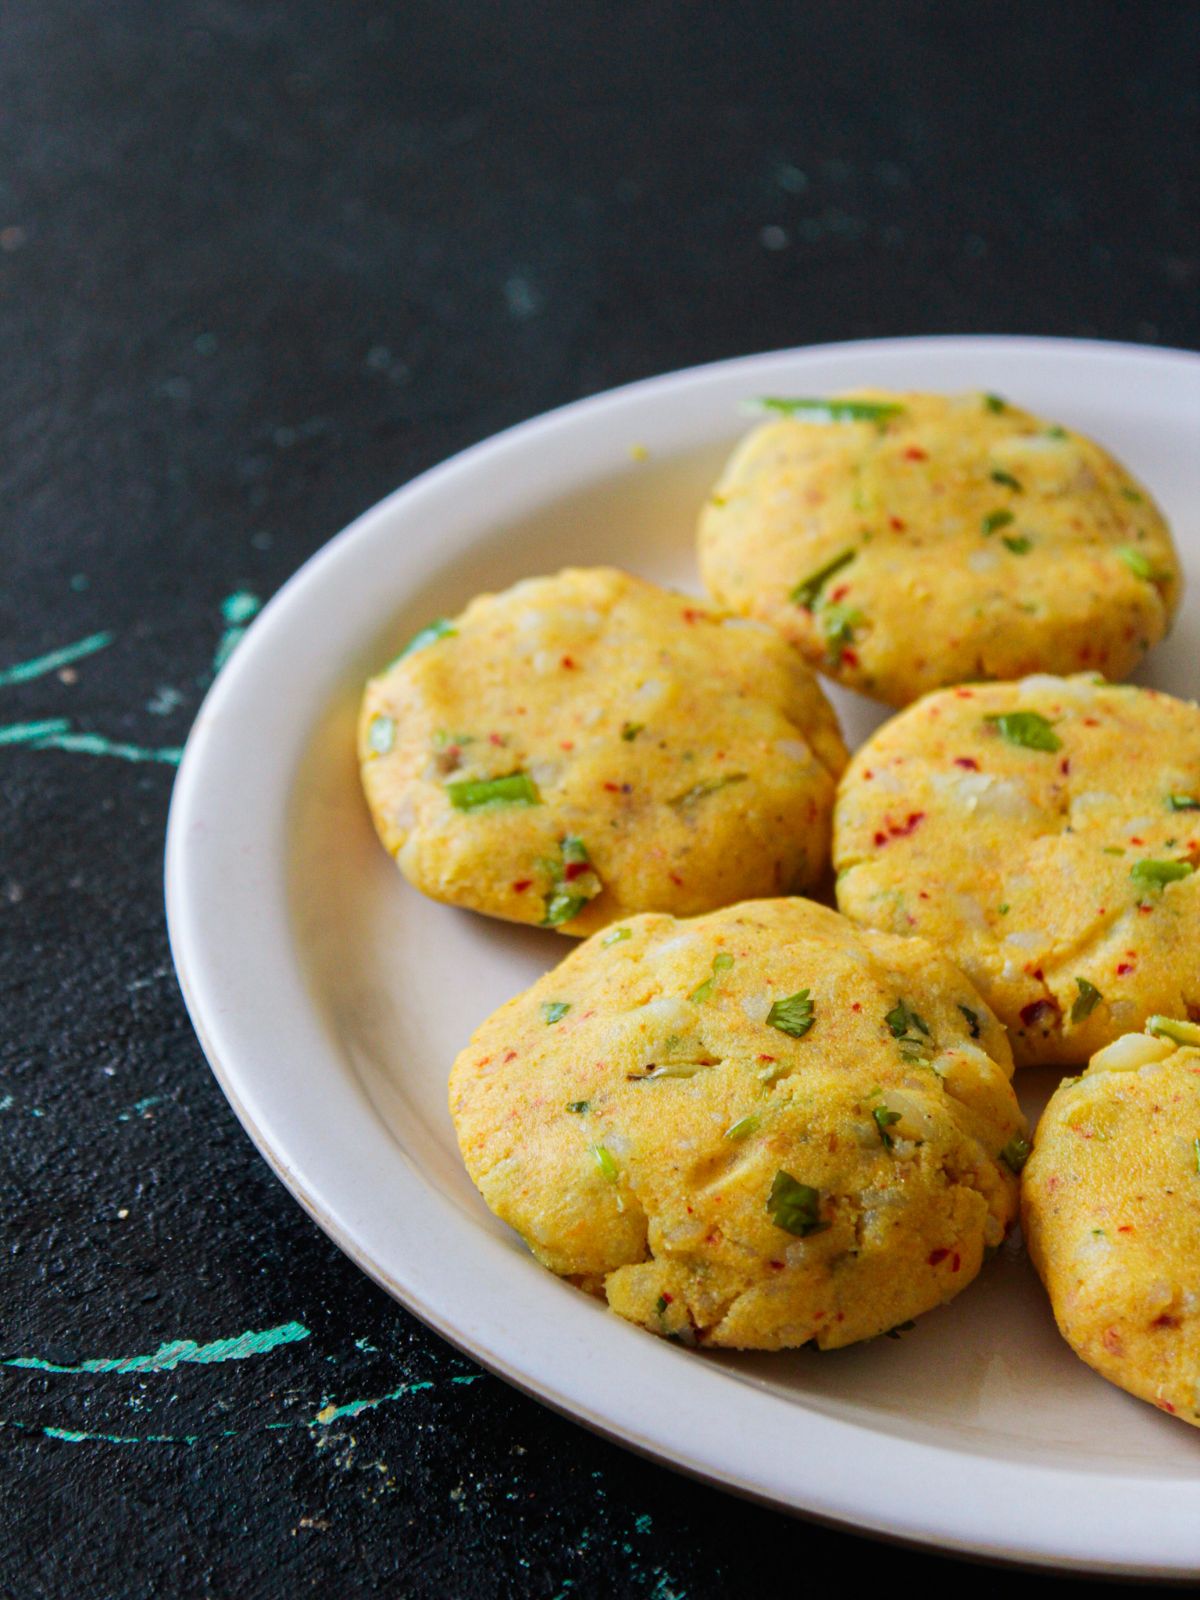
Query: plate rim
190,936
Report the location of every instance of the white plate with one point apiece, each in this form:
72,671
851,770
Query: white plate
330,997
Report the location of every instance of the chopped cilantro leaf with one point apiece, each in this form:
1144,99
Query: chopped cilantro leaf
1088,999
901,1019
579,1106
1056,433
996,519
998,475
972,1020
1158,874
555,1010
561,906
793,1016
1182,802
721,963
883,1120
993,403
1137,562
795,1206
831,410
1027,728
381,735
1017,543
603,1159
838,624
615,935
700,791
1196,1153
1132,494
515,789
631,730
439,628
807,592
743,1127
1015,1153
661,1304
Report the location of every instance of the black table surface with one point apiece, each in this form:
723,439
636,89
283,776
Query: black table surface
259,264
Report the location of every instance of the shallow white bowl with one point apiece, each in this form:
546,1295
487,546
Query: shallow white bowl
331,998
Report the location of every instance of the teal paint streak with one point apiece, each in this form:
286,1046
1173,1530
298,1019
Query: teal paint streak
180,1352
95,744
40,665
73,1436
140,1107
351,1408
237,610
31,732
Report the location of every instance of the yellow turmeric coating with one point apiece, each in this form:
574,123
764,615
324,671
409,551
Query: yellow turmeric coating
951,538
1110,1206
755,1128
586,746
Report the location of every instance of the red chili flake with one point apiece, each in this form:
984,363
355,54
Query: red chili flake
897,523
1111,1341
1037,973
868,774
668,1298
778,1265
921,895
969,762
965,694
841,1317
1085,652
766,1058
1165,1405
521,885
817,1315
880,838
613,788
1126,1227
511,1056
1091,722
840,593
495,738
1124,967
567,744
935,1256
568,663
575,869
915,453
484,1061
690,614
1132,840
850,657
1064,766
1040,1010
1145,909
1166,1320
857,1006
676,879
956,1262
900,830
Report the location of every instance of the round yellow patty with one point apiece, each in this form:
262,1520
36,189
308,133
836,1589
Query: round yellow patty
756,1128
1110,1204
1045,835
943,538
585,746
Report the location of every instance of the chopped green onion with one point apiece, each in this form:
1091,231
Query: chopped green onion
1015,1153
439,628
1017,543
1170,1028
807,592
516,789
1137,562
795,1206
972,1020
998,475
555,1010
743,1127
994,403
996,519
603,1159
574,851
901,1019
1132,494
1196,1152
1027,728
579,1106
631,730
793,1016
831,410
700,791
883,1120
1003,909
615,935
1158,874
838,624
1088,999
661,1304
1056,433
562,906
1182,802
722,962
381,735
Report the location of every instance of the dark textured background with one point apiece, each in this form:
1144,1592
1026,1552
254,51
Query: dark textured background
259,263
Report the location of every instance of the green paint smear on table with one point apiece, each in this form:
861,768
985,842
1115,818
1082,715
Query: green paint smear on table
238,610
54,733
331,1412
32,732
181,1351
40,665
